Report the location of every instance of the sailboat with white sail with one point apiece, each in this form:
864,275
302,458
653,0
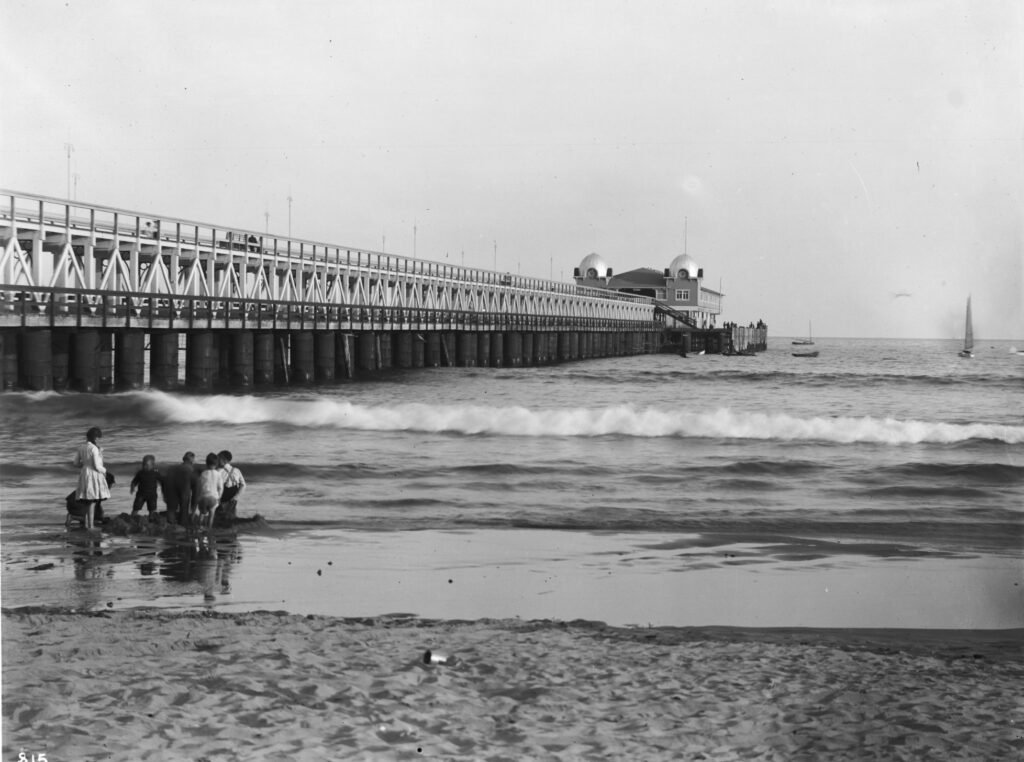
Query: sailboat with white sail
968,350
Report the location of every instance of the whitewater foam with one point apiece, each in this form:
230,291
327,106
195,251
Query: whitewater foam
617,420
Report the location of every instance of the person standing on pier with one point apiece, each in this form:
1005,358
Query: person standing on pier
92,475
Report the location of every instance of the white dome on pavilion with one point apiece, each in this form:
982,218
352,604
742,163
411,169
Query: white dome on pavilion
593,266
681,263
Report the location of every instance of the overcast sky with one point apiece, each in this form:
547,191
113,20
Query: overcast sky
858,164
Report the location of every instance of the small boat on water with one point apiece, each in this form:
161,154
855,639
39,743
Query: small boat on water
745,352
968,350
809,340
813,353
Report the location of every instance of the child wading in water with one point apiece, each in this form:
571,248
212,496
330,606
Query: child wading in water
146,480
211,485
234,485
92,476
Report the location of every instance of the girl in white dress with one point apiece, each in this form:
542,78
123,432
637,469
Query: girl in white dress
92,476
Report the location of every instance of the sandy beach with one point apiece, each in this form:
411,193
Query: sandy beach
157,685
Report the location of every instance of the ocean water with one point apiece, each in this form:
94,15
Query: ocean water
878,485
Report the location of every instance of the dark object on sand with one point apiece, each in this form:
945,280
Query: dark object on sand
78,509
432,657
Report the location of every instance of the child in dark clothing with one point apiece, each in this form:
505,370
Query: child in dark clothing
146,480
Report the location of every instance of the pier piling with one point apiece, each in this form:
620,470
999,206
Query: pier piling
324,356
465,356
302,357
243,359
403,350
366,352
163,360
130,360
483,349
36,351
263,358
343,355
419,350
497,349
201,361
8,359
106,361
432,352
61,358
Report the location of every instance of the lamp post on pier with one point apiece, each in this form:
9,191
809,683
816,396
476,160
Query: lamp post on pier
69,149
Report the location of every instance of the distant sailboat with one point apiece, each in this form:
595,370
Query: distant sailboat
809,340
968,350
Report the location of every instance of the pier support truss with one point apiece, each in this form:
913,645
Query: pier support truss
65,263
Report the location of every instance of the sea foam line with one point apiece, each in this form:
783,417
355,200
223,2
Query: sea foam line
621,420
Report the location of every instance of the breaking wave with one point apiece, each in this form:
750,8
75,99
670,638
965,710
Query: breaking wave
476,420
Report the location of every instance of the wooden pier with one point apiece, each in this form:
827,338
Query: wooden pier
99,299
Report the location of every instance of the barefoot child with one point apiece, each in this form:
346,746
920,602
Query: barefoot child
146,480
234,485
92,475
211,485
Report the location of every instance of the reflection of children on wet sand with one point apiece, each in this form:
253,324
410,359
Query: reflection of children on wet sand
206,561
206,569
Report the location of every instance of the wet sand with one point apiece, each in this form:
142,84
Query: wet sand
622,579
157,685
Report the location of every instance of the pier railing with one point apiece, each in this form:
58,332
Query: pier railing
53,307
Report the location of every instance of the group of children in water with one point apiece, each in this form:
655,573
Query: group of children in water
193,497
188,493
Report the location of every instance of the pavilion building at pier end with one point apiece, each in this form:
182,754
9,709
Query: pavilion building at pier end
692,310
